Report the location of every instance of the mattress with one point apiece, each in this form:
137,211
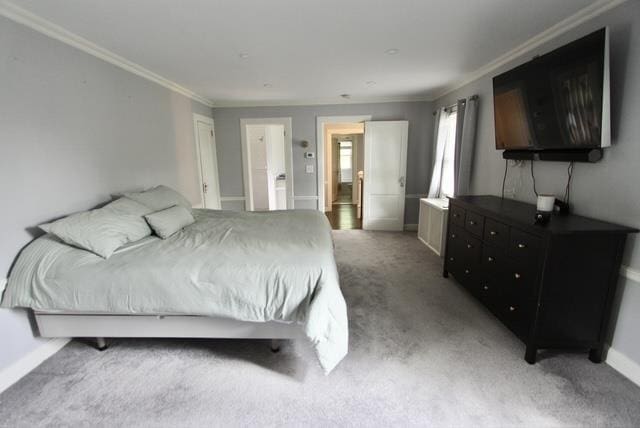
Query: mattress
248,266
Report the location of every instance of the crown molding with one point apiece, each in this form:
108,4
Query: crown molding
580,17
41,25
320,101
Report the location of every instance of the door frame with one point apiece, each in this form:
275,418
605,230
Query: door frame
206,119
288,156
321,121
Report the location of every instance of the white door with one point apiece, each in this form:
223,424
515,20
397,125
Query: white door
208,164
385,166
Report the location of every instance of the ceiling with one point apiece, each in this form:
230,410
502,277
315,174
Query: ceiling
257,52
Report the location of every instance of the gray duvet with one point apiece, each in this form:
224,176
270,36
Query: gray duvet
276,266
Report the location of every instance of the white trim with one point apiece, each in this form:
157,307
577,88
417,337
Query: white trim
624,365
411,227
48,28
13,373
209,121
597,8
306,198
288,156
630,273
320,122
232,198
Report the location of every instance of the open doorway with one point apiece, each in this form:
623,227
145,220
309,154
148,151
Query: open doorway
381,180
344,174
266,155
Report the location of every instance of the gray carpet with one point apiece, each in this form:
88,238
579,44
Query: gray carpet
422,352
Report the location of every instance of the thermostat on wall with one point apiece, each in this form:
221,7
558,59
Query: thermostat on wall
309,155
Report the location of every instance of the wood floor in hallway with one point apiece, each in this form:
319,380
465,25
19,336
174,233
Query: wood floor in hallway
343,214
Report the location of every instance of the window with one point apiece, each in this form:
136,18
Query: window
345,161
447,181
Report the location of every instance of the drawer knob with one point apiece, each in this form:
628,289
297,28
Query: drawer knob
467,271
490,259
455,215
517,275
512,308
451,259
485,288
522,246
472,223
469,246
453,235
493,233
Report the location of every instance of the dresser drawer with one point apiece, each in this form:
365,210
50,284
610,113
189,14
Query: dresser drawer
524,246
518,280
457,215
474,223
516,315
493,262
496,233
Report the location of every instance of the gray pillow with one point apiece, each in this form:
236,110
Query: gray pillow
167,222
160,198
103,230
129,206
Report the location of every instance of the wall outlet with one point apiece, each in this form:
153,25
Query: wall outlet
309,169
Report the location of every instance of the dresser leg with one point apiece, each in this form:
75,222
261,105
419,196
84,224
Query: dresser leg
101,344
530,354
595,354
445,273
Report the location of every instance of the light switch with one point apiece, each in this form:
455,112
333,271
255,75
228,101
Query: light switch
309,169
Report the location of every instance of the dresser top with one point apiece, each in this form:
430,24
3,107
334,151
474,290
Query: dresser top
523,214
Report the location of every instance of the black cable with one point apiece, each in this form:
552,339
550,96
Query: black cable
567,190
534,179
504,179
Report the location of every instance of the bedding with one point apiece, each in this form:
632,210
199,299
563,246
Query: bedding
167,222
102,230
275,266
159,198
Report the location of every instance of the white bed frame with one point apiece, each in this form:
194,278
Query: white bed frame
101,326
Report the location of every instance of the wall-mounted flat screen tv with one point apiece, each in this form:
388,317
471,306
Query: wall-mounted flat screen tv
557,101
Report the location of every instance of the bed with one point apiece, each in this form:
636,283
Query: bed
228,275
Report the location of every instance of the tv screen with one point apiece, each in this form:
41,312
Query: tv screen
559,100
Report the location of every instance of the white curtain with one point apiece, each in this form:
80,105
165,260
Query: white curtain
465,144
439,137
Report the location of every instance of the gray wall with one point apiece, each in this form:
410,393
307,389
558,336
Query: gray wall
608,190
73,130
227,124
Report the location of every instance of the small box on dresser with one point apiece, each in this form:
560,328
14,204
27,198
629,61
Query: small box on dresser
552,285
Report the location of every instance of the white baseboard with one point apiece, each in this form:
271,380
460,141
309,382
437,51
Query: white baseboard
624,365
411,227
13,373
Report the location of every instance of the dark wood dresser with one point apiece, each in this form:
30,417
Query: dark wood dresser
552,285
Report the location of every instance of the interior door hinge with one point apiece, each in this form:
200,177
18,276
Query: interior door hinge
212,132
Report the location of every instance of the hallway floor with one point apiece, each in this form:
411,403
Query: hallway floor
343,214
